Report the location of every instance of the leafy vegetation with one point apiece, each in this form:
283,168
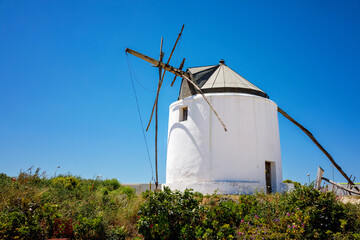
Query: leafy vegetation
99,209
291,181
305,213
104,209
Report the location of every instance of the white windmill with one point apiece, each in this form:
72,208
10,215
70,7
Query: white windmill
204,157
203,153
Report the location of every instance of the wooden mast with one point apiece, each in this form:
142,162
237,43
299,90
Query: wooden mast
160,65
156,117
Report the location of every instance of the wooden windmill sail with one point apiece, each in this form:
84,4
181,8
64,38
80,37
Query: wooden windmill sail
186,76
178,72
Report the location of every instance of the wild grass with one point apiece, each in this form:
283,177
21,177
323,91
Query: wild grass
104,209
100,209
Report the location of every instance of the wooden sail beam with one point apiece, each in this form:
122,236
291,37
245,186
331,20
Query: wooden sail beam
307,132
162,78
177,72
206,99
180,68
156,63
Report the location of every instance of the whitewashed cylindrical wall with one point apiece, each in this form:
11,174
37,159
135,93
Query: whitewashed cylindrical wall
202,156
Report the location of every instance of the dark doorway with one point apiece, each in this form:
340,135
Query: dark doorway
268,177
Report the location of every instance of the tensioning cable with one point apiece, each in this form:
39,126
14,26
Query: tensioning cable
132,75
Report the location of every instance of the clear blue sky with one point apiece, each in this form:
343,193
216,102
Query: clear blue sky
66,96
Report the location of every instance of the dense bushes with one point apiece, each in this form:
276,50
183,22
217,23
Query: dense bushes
304,213
168,215
99,209
104,209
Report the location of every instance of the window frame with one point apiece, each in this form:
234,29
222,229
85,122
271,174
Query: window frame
183,114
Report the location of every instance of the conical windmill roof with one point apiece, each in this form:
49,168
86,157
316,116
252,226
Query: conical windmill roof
218,79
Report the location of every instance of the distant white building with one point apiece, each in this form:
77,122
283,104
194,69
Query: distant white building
202,156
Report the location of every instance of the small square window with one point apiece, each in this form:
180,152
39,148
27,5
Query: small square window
183,114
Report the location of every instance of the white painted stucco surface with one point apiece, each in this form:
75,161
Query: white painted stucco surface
202,156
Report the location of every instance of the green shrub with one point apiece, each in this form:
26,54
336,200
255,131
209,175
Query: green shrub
117,233
111,184
128,191
5,179
68,182
170,215
27,218
89,229
324,210
222,217
176,215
